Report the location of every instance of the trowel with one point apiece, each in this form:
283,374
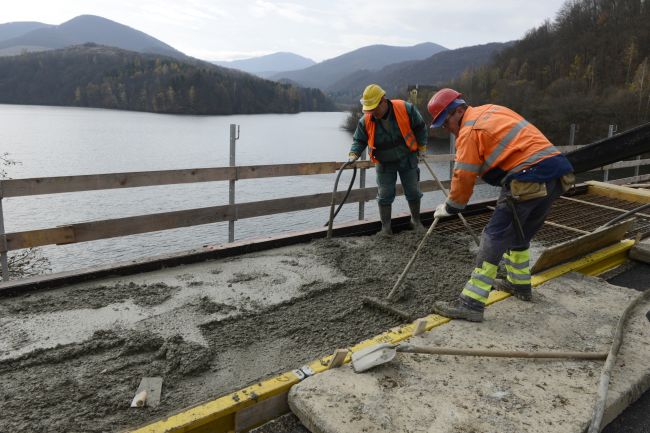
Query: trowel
379,354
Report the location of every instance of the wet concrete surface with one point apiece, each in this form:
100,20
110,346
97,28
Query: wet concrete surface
72,358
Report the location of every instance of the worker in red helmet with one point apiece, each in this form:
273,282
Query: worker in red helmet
396,135
505,150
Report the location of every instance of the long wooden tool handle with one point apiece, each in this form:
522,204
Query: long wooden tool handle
501,353
400,280
444,191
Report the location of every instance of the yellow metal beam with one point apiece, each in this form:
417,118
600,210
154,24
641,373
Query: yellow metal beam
218,416
593,264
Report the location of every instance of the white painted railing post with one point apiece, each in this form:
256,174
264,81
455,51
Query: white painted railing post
234,136
610,132
3,242
572,134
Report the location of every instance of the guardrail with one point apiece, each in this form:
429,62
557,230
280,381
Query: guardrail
103,229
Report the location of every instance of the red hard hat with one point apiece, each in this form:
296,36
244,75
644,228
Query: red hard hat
440,100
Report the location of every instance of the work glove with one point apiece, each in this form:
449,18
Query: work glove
441,211
352,156
422,152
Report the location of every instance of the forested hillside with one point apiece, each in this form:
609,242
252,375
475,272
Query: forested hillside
103,77
589,66
395,78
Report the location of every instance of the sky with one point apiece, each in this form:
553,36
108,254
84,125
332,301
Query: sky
316,29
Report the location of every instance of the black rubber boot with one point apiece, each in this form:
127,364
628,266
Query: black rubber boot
457,310
384,216
416,223
525,293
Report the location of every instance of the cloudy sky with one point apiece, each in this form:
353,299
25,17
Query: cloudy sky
317,29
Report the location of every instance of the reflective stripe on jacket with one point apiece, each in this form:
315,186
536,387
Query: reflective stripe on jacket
403,122
494,142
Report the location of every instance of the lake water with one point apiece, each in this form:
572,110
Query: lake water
61,141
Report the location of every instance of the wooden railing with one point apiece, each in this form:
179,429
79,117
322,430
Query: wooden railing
95,230
103,229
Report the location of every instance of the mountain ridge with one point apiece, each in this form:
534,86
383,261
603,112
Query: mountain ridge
270,64
88,28
372,57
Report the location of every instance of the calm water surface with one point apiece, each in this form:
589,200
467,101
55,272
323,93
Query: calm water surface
59,141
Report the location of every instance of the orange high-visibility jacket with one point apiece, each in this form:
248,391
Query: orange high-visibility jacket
404,123
492,137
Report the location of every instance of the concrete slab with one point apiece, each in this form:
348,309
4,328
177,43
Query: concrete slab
425,393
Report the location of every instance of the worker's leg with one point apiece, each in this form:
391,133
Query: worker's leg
409,174
386,178
497,236
517,264
471,302
531,214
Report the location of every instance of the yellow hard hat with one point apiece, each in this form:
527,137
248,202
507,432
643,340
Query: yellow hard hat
371,97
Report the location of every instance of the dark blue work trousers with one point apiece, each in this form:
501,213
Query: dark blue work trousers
501,234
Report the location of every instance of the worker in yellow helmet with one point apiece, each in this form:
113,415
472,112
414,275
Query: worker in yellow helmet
395,134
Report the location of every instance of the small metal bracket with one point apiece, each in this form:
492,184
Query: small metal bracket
299,374
307,371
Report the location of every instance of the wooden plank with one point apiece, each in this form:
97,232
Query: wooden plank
618,191
338,358
420,327
633,179
62,184
440,158
565,149
581,246
623,164
33,238
104,229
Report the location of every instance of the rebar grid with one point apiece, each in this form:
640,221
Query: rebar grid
581,216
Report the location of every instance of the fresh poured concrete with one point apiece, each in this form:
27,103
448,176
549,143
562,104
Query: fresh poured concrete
425,393
72,358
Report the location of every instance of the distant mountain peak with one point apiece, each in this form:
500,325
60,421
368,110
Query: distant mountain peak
79,30
269,64
369,58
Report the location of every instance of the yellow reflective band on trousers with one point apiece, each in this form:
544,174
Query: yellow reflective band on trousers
518,266
480,283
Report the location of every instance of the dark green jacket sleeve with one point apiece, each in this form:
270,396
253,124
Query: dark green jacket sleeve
417,124
360,138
